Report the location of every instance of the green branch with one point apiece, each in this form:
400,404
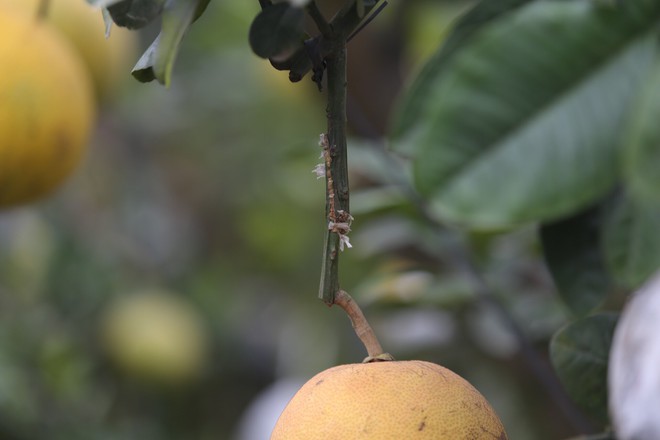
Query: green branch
335,153
339,29
320,21
332,45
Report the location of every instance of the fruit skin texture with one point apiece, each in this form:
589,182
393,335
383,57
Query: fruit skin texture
46,109
388,400
155,336
109,60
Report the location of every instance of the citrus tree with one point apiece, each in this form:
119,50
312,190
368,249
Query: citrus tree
533,118
530,113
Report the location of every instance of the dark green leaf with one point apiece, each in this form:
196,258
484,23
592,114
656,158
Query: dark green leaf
632,240
276,31
359,6
523,122
600,436
157,62
412,108
135,14
579,354
572,250
201,7
642,152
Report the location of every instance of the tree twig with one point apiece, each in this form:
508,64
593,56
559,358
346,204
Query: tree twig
367,21
337,193
320,21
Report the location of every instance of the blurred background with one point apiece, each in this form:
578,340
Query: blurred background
169,289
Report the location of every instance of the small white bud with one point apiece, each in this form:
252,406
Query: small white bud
344,241
319,170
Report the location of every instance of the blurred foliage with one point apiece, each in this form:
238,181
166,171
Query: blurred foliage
205,190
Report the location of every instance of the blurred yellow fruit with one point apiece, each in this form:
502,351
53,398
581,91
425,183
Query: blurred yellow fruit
388,400
46,109
109,60
156,336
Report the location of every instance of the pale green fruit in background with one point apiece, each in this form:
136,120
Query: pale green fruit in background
156,336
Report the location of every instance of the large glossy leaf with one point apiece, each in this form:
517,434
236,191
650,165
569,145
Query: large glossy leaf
579,354
523,122
642,152
414,103
573,253
632,240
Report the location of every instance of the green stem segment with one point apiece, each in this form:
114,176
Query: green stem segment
338,218
337,193
316,15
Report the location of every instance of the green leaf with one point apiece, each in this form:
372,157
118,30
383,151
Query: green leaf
523,122
359,6
135,14
631,240
144,69
642,154
415,101
276,31
572,250
158,60
579,353
201,8
600,436
107,22
103,3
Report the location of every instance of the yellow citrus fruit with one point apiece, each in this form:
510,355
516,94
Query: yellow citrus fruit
109,59
46,109
155,335
388,400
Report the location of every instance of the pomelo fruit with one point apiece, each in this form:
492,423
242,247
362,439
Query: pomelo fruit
47,109
388,400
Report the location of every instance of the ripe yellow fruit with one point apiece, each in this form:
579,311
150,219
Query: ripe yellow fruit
156,336
388,400
108,60
46,109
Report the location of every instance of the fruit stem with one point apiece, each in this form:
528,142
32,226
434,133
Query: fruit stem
362,328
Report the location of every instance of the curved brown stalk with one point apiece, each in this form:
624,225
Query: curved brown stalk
362,328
